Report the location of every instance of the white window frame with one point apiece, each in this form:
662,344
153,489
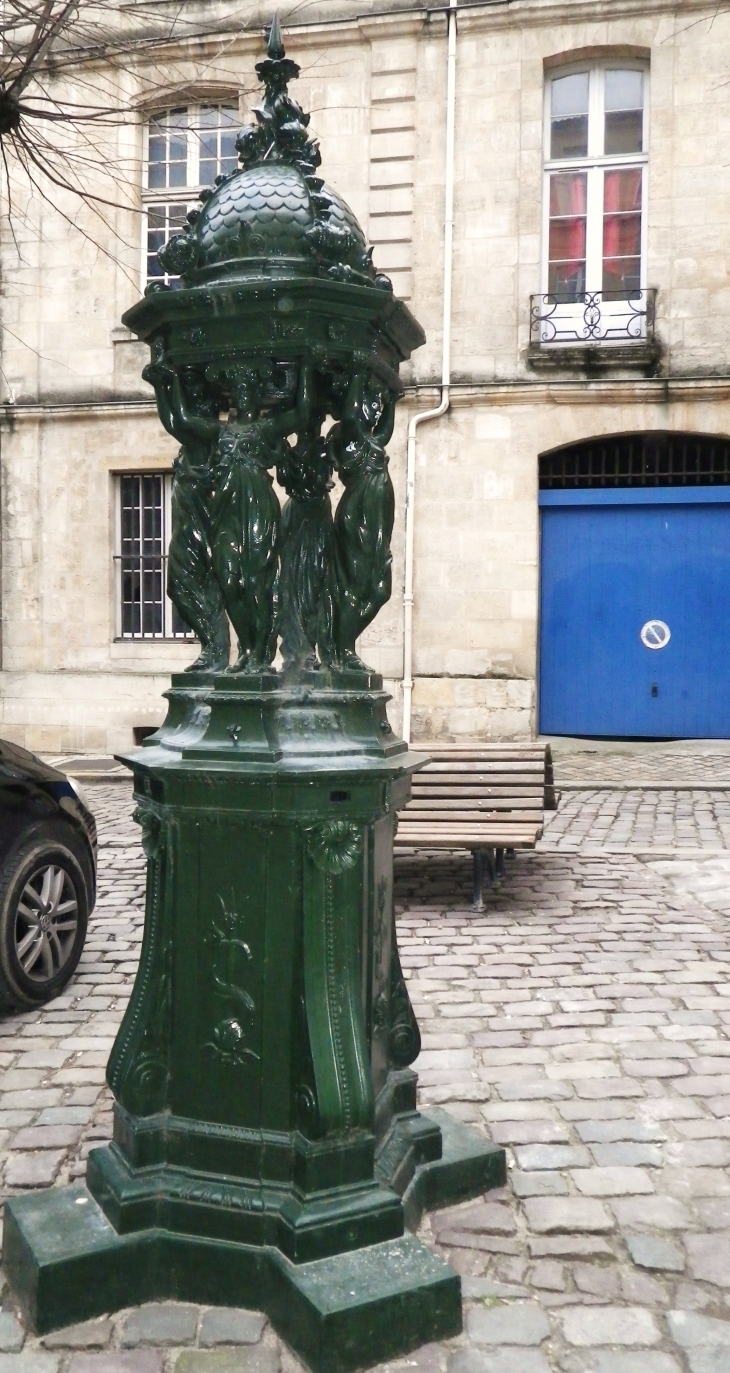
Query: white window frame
167,607
188,195
615,314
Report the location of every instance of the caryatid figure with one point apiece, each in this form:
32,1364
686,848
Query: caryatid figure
245,512
191,582
306,542
360,575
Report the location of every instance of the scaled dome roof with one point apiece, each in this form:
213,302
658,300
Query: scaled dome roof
274,212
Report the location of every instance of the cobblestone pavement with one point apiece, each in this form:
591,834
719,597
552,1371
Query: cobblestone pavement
707,879
639,820
636,763
582,1021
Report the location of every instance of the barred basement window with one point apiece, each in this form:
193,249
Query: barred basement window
185,150
144,611
653,458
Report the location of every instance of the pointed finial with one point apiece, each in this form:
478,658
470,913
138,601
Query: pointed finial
276,45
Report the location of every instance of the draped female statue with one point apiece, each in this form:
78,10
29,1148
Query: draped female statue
360,577
245,513
306,541
191,582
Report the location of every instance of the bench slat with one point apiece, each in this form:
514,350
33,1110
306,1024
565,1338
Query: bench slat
487,750
477,777
427,778
439,788
471,841
458,810
496,822
492,840
476,786
440,763
476,798
486,799
467,760
526,823
470,836
495,761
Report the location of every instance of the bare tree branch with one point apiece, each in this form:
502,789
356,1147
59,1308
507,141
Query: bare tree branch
40,42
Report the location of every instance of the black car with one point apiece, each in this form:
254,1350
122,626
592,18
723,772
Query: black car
47,878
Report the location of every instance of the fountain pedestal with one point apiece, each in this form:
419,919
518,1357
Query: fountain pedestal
268,1150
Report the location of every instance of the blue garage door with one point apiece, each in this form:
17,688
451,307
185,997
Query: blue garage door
635,612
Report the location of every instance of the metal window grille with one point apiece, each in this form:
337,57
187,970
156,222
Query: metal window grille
144,611
186,149
656,458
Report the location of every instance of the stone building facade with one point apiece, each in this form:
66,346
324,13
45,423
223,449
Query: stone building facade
608,190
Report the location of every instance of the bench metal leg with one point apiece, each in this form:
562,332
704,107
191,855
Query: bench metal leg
511,853
488,863
478,897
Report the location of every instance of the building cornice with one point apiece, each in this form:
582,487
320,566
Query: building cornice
516,13
474,15
571,391
39,411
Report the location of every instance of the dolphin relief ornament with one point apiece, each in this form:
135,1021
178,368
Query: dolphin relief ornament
268,1148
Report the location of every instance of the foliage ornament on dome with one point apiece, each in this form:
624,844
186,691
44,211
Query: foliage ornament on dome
280,132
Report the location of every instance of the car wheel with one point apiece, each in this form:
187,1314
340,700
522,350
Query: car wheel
44,910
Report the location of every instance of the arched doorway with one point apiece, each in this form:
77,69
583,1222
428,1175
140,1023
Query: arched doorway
635,587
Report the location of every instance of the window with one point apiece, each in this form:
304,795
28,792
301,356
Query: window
185,150
595,192
143,533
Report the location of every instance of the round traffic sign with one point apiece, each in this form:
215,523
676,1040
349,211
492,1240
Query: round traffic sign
655,634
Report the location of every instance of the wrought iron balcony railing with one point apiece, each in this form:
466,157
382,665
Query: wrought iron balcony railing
595,317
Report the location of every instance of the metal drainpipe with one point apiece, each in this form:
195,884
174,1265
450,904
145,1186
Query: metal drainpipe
445,376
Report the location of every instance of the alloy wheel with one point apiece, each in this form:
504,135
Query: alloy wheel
46,922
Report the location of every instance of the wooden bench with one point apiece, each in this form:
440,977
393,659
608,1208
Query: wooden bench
488,798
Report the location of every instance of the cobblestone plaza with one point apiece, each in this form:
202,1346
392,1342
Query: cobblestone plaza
581,1021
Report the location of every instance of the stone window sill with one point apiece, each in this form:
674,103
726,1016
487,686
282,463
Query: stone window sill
596,359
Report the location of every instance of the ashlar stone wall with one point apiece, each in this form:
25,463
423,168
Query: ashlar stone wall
75,412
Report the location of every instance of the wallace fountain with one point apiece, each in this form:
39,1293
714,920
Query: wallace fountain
268,1151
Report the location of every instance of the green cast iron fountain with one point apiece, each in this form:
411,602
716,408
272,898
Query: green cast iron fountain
268,1150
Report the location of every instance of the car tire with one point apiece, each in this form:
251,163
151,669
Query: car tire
44,912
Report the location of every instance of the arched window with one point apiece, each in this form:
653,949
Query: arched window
594,227
185,149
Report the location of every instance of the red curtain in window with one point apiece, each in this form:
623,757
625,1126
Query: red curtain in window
568,219
622,213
